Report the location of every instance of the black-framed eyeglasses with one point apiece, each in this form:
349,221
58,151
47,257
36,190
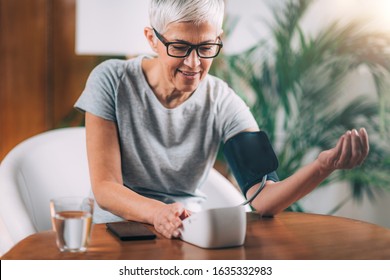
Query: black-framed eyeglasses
182,49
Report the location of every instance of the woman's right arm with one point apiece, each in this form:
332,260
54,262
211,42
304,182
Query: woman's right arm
104,161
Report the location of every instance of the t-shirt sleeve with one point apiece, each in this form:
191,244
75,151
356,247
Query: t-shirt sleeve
235,115
100,91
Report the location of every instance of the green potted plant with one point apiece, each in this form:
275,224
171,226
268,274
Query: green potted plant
294,82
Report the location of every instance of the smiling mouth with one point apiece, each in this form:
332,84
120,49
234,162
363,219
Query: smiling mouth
187,73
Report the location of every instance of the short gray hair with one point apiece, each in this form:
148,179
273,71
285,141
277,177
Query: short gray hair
164,12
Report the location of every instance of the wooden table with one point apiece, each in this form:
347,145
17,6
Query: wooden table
286,236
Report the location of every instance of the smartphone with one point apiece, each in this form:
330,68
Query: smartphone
128,230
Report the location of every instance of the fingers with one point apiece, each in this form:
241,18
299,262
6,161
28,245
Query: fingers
168,220
185,214
366,146
354,149
360,146
337,151
345,156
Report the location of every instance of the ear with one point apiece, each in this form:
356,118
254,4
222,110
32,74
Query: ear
151,38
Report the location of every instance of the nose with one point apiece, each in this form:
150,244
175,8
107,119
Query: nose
192,60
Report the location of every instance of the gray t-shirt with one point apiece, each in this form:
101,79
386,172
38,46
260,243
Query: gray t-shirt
166,153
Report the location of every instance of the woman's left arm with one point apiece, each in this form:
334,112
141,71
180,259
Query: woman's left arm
350,151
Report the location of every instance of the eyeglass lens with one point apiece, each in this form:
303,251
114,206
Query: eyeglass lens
204,50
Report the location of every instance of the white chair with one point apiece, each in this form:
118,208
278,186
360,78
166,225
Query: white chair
54,164
48,165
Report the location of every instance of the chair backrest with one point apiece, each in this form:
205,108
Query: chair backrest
48,165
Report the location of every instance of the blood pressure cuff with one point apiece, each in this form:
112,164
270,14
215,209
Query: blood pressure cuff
250,156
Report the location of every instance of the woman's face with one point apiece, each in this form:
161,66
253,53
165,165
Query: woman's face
185,74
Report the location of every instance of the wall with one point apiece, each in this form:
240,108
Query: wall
255,17
40,76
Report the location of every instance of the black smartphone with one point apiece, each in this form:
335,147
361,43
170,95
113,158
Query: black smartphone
128,230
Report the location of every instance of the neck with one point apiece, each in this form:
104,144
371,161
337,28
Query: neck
166,93
173,99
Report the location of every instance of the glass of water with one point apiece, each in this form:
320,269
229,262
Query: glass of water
72,221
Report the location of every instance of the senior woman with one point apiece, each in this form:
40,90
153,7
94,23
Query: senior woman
154,125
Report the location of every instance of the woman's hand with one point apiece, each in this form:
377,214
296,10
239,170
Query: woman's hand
350,151
168,219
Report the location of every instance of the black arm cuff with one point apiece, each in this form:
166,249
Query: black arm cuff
250,156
